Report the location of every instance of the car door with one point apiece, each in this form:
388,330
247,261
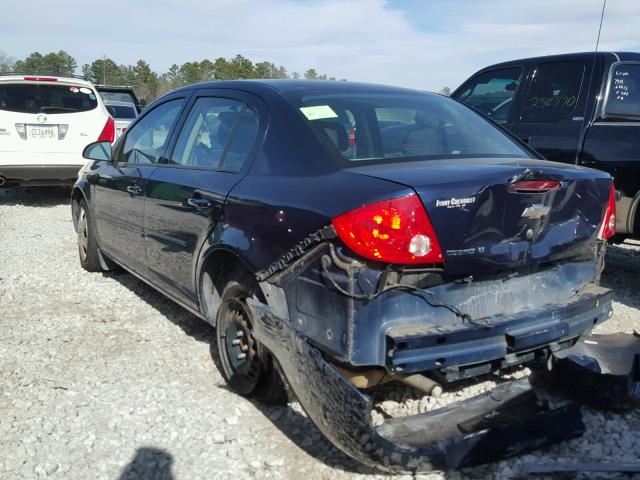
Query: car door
493,92
186,194
552,115
612,142
120,186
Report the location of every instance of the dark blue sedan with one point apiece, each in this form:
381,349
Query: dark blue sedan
342,235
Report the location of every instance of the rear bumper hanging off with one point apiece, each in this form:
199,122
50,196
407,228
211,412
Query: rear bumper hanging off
507,421
600,370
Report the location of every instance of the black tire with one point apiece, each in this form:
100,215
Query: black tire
87,246
245,364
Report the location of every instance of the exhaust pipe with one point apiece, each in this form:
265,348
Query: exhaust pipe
377,376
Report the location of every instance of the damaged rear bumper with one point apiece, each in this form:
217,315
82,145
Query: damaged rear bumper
493,344
507,421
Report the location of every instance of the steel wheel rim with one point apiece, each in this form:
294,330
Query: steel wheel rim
240,349
83,234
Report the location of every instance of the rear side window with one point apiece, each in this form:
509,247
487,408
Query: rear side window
624,91
46,98
219,132
492,92
242,141
146,140
121,111
554,92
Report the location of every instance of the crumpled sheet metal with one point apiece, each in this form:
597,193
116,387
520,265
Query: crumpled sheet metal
601,370
508,421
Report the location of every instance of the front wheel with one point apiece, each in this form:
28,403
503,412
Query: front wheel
87,246
246,365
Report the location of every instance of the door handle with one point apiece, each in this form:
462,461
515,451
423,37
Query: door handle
199,203
134,189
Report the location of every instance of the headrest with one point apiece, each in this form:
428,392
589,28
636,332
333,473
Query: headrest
427,119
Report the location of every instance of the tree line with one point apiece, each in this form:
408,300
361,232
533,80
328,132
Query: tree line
147,83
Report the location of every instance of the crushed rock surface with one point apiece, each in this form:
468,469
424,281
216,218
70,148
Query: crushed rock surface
102,377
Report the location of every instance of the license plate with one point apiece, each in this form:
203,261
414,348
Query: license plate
43,131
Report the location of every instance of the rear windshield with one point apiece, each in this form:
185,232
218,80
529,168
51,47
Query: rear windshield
383,127
121,111
45,98
118,96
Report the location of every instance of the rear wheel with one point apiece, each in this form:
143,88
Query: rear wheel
246,365
87,246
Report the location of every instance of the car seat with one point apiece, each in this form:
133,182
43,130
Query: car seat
425,137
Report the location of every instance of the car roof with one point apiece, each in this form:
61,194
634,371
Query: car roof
20,78
567,57
282,86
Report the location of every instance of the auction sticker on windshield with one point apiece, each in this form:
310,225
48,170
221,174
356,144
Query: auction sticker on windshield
40,131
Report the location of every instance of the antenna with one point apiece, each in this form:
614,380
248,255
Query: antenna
604,5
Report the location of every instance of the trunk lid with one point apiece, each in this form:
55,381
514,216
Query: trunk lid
482,226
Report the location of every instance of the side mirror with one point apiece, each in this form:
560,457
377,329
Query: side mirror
100,151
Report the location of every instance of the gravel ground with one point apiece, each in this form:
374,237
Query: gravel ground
102,377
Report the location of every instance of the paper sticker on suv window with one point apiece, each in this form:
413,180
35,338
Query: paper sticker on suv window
86,90
318,112
73,89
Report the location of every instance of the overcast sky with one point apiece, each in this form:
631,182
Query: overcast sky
425,44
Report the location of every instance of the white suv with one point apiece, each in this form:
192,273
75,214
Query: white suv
45,123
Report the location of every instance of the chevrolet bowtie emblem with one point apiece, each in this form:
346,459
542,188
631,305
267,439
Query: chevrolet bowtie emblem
536,211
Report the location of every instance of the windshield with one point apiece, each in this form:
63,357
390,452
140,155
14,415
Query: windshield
118,96
383,127
121,111
45,98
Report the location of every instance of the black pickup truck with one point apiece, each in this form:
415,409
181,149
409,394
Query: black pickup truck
121,93
580,108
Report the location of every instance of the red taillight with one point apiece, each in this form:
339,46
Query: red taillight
41,79
608,226
351,136
533,186
108,132
393,231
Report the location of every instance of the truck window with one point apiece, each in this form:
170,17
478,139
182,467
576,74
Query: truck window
554,92
623,99
492,92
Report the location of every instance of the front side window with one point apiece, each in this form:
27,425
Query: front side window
492,92
624,91
218,133
554,92
146,141
46,98
390,127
